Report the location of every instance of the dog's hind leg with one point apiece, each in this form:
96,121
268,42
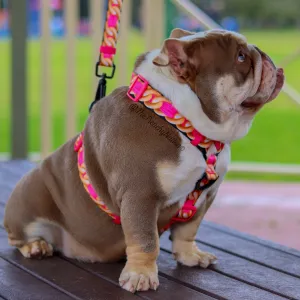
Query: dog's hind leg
29,204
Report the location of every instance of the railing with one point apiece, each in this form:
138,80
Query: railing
206,21
152,10
153,28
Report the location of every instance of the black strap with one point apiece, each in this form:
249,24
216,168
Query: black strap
101,91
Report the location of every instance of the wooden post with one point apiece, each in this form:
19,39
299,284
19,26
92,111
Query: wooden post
154,24
71,17
18,17
97,23
160,24
46,141
125,26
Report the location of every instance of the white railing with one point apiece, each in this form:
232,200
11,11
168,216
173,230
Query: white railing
153,11
193,10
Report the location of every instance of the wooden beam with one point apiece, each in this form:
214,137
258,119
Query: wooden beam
46,141
122,48
71,18
97,24
160,24
154,26
18,17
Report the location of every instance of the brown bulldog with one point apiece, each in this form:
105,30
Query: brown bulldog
216,81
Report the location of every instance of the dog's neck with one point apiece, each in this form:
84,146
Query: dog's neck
188,104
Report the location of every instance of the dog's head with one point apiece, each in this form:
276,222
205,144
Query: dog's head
230,77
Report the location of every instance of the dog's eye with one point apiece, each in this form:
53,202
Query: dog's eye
241,57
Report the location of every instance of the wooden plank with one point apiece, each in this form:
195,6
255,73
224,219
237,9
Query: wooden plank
97,24
167,288
259,253
249,272
71,19
210,282
46,142
125,26
18,23
251,238
154,31
64,276
15,168
148,15
16,284
160,26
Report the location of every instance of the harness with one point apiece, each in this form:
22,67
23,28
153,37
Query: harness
141,91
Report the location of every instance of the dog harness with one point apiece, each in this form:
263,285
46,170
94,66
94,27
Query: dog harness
141,91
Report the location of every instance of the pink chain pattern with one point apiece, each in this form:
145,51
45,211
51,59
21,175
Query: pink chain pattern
78,147
163,107
110,35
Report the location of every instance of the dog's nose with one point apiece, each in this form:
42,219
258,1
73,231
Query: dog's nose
266,56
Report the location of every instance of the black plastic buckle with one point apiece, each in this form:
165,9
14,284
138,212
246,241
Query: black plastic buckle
104,74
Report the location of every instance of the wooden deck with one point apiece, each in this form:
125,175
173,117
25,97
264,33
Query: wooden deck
248,268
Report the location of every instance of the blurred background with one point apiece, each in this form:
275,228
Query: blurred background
48,51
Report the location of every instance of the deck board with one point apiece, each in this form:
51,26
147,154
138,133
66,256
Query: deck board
259,253
25,286
63,275
249,272
248,268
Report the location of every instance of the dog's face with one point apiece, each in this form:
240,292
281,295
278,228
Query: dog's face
229,76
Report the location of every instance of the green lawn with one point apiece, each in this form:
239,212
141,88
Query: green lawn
274,137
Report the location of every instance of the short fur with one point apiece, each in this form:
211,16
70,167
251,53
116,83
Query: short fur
217,81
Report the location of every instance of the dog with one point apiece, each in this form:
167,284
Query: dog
140,164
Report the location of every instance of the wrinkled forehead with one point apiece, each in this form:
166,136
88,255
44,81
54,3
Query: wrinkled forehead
214,33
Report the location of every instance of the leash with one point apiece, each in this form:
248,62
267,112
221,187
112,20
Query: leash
108,47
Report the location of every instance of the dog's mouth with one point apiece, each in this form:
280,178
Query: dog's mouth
272,80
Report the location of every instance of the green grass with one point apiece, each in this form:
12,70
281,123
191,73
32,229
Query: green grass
274,137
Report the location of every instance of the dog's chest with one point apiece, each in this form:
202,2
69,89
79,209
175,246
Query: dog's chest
178,180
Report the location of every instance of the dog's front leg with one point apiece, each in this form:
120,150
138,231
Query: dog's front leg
183,236
139,223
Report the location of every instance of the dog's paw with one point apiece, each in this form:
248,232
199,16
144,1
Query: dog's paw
37,249
139,279
190,255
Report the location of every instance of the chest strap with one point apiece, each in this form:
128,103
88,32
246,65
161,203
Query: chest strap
141,91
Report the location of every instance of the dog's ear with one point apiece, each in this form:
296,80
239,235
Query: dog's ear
178,33
172,53
172,48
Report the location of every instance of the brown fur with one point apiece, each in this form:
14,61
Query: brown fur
123,151
53,187
199,62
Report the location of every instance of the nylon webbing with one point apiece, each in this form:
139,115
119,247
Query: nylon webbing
110,33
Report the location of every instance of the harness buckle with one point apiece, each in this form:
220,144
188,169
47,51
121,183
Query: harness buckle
137,88
117,220
186,213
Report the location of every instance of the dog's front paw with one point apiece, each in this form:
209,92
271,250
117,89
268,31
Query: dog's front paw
188,254
139,278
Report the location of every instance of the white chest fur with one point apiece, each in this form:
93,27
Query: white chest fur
178,180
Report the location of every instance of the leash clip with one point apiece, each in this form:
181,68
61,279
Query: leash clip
104,74
101,89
